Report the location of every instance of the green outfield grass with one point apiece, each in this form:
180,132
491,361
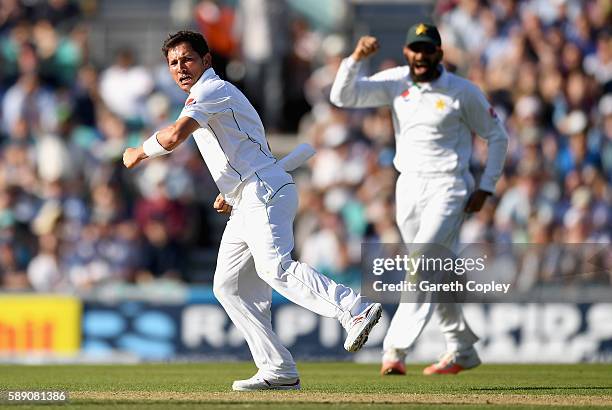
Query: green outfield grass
324,385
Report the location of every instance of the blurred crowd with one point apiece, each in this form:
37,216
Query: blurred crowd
71,217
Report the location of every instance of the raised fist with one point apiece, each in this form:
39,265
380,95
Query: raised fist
366,46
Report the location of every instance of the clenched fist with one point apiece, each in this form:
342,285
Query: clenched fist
132,156
366,46
221,206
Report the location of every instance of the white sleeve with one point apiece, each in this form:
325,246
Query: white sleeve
482,119
197,113
351,90
201,111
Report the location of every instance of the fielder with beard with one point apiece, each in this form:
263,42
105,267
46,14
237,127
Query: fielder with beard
434,115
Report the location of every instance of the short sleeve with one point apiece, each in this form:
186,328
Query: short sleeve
197,111
205,102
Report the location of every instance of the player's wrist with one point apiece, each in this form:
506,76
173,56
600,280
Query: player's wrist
357,56
142,154
152,148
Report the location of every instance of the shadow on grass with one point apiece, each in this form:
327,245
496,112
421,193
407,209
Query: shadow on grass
515,388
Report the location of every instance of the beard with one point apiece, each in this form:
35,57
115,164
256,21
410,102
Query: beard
430,73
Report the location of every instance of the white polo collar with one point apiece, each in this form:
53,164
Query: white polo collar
208,74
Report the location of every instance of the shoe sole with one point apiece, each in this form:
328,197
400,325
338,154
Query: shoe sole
298,387
392,371
358,343
295,386
455,369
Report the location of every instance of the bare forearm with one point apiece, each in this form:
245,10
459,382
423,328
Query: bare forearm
170,138
161,143
174,134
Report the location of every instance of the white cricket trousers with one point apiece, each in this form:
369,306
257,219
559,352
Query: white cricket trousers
255,257
429,210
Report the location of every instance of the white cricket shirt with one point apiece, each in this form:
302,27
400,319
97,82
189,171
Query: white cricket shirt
433,122
231,137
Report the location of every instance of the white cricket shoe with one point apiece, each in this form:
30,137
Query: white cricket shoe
257,382
360,327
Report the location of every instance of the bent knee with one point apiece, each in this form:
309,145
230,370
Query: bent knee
223,289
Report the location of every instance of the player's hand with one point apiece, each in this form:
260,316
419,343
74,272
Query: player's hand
132,156
221,206
366,46
476,201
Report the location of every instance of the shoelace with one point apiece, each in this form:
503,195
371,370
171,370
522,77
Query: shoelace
362,316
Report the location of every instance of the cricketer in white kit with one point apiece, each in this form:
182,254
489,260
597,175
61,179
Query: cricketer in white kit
434,115
255,251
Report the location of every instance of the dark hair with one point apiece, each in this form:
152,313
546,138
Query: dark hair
197,41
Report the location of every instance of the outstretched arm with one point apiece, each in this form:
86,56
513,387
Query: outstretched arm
162,142
350,89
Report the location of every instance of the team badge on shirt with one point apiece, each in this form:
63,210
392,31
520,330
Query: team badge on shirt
440,104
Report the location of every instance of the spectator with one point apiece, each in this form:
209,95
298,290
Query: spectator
62,14
124,86
263,32
45,270
27,99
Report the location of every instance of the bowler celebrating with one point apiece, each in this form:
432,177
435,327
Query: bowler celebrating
434,115
255,251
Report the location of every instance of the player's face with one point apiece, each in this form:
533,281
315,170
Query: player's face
423,59
186,65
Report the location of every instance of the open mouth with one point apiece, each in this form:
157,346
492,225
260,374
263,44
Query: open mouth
420,67
185,79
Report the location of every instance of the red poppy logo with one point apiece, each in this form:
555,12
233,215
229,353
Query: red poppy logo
406,93
190,101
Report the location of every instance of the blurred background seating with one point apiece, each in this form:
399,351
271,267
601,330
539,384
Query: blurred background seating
82,80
